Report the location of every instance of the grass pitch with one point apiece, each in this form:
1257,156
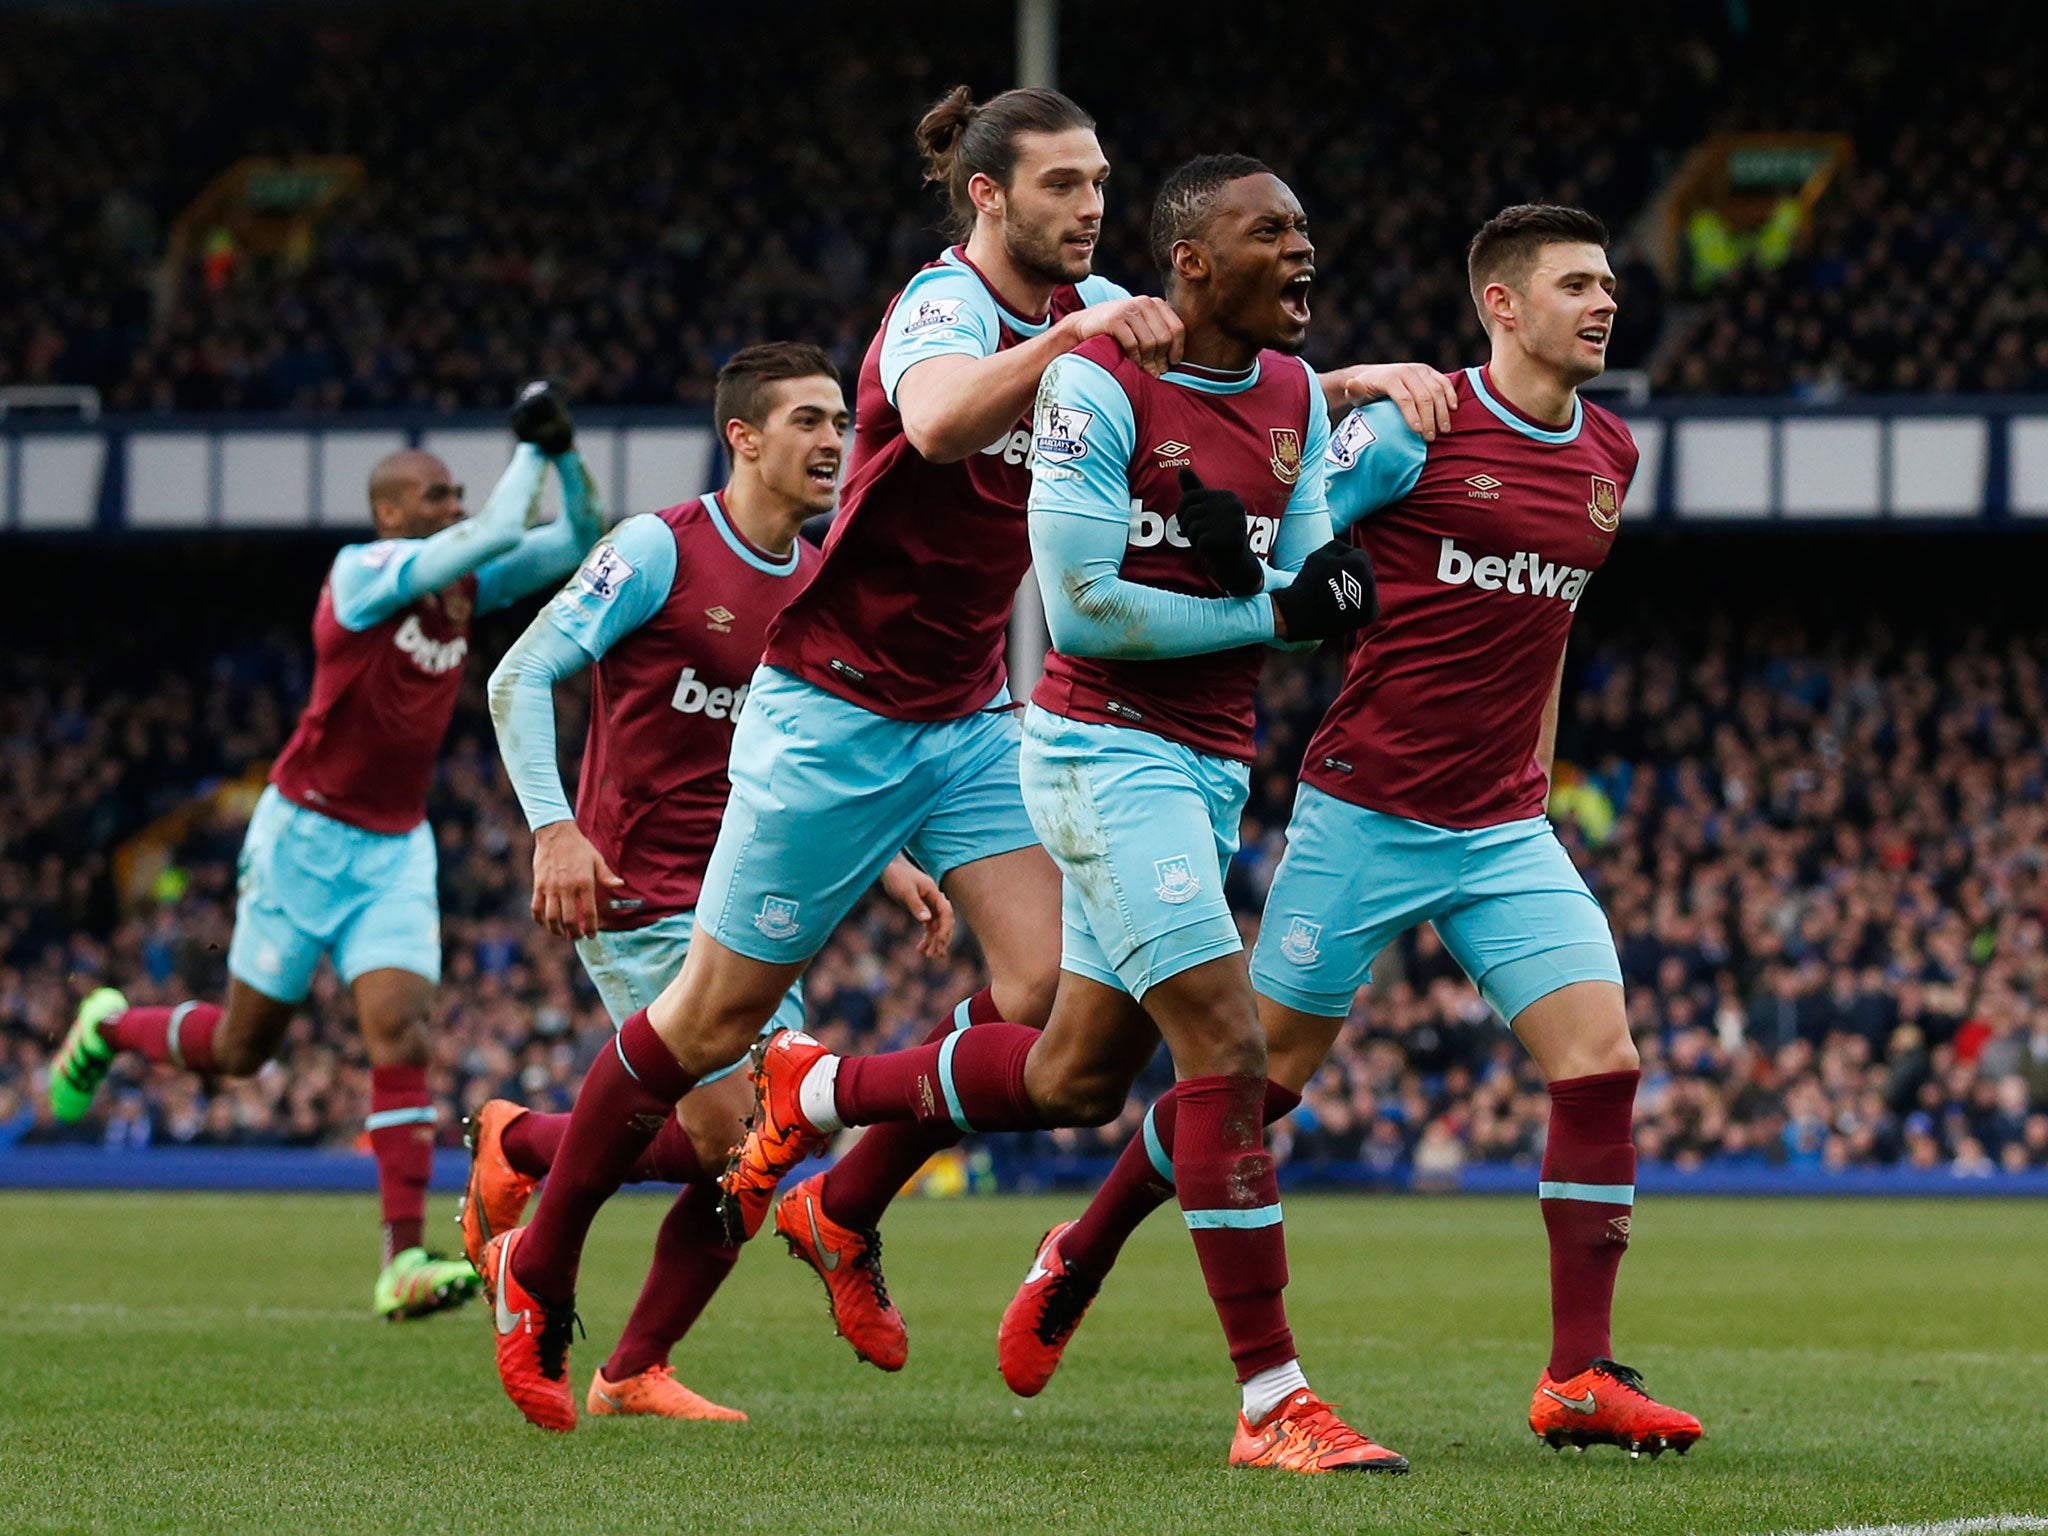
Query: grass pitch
208,1363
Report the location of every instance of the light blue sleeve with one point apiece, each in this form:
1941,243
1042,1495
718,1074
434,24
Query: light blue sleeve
621,584
370,582
1083,436
1374,459
522,695
1100,290
548,553
945,312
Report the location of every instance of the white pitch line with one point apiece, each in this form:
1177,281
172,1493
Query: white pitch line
1981,1525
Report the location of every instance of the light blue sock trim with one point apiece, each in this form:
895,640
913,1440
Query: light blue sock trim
1161,1163
174,1036
960,1018
1598,1194
1258,1216
620,1051
384,1119
946,1080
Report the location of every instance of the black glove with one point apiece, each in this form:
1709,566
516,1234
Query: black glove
1332,594
539,417
1214,522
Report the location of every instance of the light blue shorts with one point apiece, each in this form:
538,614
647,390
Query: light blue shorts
1142,829
826,793
630,968
1506,901
310,886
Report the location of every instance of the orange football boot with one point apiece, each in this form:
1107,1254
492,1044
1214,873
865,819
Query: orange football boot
654,1391
495,1200
1605,1404
849,1261
778,1136
1304,1434
1042,1316
533,1341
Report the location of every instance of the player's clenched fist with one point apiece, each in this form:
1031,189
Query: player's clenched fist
1213,520
1146,328
1332,594
567,872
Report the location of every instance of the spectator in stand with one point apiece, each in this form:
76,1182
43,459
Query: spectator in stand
1821,863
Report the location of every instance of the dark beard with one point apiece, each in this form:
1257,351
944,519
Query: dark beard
1042,264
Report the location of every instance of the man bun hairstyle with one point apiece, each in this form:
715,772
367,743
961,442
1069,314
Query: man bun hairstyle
746,384
961,140
1507,245
1186,202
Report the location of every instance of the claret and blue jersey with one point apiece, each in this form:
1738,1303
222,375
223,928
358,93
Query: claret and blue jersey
1139,735
909,616
1422,798
1483,543
1142,634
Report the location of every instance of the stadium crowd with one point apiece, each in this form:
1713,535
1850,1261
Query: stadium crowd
622,207
1822,863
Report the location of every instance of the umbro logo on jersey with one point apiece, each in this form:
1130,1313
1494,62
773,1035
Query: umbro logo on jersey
1173,455
1484,487
1524,572
721,619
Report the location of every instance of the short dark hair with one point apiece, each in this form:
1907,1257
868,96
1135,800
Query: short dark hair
1506,247
961,139
746,382
1185,203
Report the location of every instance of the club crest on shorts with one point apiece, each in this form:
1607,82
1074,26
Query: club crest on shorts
1177,880
1300,943
777,917
1286,460
1605,507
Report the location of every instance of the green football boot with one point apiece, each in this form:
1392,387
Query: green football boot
416,1283
82,1063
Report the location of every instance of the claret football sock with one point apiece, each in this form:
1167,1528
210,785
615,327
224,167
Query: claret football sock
859,1187
1588,1194
1141,1182
629,1095
533,1142
973,1079
1230,1196
692,1257
182,1036
401,1127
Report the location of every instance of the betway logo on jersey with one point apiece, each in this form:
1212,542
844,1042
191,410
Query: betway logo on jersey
429,654
1149,529
1522,572
692,697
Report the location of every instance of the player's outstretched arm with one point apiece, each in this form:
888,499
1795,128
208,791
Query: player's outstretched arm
544,555
370,582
